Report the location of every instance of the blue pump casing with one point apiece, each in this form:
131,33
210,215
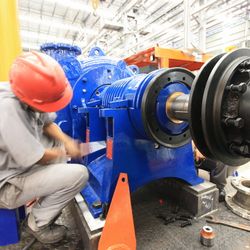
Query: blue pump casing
88,77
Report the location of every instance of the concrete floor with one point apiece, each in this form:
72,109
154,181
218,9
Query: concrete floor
71,242
152,234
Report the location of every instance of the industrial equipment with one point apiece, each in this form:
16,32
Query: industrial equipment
148,120
141,139
87,76
239,202
157,57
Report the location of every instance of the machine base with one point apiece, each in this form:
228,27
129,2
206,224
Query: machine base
199,200
89,228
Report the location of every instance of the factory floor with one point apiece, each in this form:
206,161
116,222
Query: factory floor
152,234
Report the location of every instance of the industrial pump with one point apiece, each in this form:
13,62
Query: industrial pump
148,120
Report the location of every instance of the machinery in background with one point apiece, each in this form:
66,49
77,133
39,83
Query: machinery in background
157,57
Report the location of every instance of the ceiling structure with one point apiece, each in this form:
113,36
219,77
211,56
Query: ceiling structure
124,27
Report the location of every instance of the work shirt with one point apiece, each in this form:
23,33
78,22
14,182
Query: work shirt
22,141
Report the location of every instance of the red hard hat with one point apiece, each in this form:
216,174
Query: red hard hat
39,81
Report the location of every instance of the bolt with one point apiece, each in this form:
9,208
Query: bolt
240,149
156,145
245,65
170,220
238,122
96,52
97,204
242,87
84,90
84,80
186,223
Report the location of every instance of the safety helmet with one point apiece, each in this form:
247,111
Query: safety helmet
39,81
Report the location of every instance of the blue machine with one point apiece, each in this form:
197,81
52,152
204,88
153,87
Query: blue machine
146,119
142,140
87,77
127,110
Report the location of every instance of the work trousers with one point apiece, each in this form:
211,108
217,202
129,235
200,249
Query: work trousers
218,171
52,185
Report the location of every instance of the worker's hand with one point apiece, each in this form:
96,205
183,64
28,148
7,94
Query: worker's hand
52,155
197,154
73,148
85,149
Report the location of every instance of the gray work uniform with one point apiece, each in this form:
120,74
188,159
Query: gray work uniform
22,145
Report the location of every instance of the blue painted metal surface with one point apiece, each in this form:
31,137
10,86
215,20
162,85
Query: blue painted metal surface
9,227
129,148
88,77
165,123
107,105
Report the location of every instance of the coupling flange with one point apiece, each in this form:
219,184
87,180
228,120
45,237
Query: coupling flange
240,202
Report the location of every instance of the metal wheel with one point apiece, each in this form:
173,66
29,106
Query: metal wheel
151,123
195,103
219,103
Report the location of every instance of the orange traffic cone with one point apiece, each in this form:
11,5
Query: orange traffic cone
119,232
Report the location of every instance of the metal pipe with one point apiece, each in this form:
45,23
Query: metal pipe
177,107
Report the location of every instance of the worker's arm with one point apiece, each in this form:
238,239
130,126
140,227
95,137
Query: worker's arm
71,146
51,155
197,154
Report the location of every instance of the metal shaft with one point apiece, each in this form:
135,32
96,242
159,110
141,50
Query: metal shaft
177,107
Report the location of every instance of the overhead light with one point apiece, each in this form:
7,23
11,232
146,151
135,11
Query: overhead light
33,36
34,19
112,26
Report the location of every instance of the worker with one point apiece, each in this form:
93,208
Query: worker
33,149
219,172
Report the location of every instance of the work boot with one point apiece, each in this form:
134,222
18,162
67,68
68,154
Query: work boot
222,195
47,234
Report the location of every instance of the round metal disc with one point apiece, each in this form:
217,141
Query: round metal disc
195,102
151,124
237,202
212,104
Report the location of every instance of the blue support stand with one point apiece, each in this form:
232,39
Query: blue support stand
9,226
